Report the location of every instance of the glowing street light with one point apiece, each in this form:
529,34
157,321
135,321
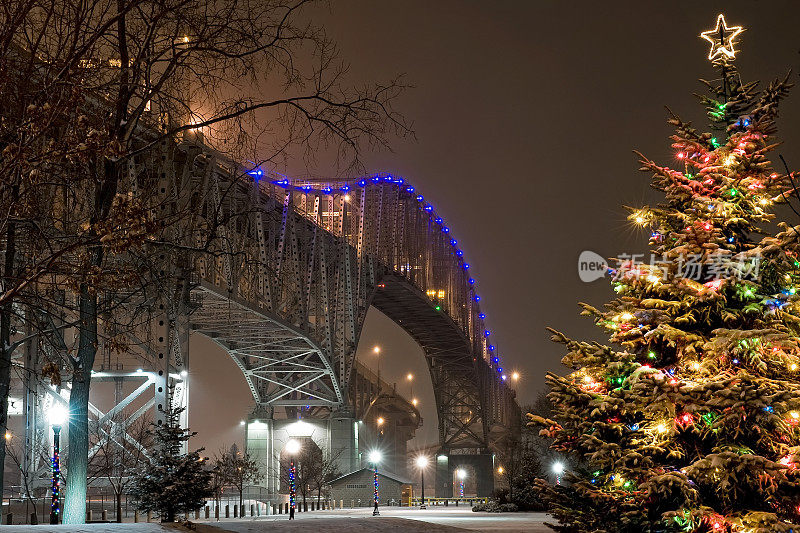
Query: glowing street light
376,350
515,376
558,469
461,474
375,457
292,448
422,464
58,415
380,421
500,470
414,402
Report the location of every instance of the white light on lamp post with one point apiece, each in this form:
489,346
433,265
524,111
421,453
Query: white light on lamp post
461,474
375,457
422,464
58,416
292,448
558,469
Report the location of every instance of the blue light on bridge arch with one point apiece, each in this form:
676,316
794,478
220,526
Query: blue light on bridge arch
376,179
362,183
282,183
446,229
428,208
499,370
453,242
486,333
491,347
306,187
495,360
420,198
438,220
327,190
459,253
466,266
409,189
481,316
477,298
472,281
345,188
256,172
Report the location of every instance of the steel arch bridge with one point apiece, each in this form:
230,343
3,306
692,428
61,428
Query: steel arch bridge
289,292
286,275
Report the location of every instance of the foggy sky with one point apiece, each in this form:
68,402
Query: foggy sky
526,114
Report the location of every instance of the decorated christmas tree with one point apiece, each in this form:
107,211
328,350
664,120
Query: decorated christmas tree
174,482
689,419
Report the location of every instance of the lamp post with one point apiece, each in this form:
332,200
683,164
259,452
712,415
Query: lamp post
292,447
558,469
461,474
375,457
57,415
422,463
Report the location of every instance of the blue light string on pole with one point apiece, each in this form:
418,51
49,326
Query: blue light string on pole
257,174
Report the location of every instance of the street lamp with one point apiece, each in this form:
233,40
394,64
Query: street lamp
461,474
377,351
558,469
58,415
422,463
375,457
292,447
515,376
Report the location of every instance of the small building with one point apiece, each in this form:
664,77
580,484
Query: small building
357,488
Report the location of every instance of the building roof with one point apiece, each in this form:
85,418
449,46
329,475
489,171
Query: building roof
383,473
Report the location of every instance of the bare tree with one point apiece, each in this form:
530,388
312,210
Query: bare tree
91,87
326,471
239,469
117,450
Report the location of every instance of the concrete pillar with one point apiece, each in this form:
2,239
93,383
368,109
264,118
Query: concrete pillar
443,476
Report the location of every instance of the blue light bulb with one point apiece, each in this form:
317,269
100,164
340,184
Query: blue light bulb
420,198
472,281
466,266
481,316
491,347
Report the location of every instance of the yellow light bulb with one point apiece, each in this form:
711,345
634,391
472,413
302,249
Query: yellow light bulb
793,367
626,316
661,428
695,366
794,414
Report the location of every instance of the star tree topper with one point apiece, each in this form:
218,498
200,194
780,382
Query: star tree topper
722,39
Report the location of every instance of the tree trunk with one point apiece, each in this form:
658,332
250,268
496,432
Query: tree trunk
75,492
119,505
5,345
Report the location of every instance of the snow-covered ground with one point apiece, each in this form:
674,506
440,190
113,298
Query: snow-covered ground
392,520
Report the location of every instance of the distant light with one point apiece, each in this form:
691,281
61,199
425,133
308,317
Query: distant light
184,373
500,470
441,458
558,467
380,420
346,197
8,435
292,446
504,377
481,316
138,370
515,376
410,376
375,456
241,422
461,473
376,350
422,461
414,402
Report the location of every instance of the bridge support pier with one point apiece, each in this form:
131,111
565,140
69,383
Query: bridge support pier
480,465
266,438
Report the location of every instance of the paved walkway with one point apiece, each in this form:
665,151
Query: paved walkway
399,519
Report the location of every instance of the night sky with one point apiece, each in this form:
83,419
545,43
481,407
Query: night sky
526,114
